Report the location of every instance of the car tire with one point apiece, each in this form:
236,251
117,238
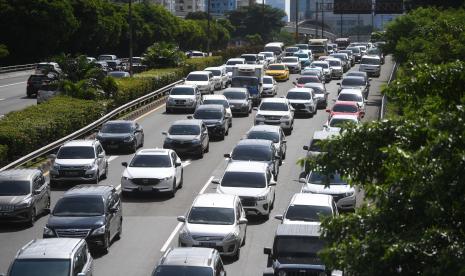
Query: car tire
238,254
168,111
200,154
134,147
142,141
47,205
106,243
207,149
230,124
120,231
32,217
245,238
173,192
272,202
97,177
182,180
105,174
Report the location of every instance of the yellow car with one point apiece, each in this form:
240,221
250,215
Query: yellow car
278,71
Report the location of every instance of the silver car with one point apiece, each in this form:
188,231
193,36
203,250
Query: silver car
183,97
215,221
270,87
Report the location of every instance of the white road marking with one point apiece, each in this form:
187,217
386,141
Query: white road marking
186,163
179,225
2,100
118,188
113,157
11,84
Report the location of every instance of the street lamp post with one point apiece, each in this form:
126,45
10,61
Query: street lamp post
130,38
296,21
322,5
208,28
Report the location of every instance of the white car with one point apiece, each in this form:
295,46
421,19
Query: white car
252,182
292,63
276,111
183,97
220,78
302,100
219,99
371,65
307,208
336,67
269,56
262,60
203,80
324,65
344,195
338,120
231,63
215,221
270,87
352,95
153,170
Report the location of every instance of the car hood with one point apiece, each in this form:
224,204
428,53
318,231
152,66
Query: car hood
336,68
272,113
13,200
76,222
132,172
316,223
291,63
239,191
113,135
267,85
308,262
183,137
196,83
74,162
299,101
237,102
181,97
275,71
211,122
352,87
332,189
209,229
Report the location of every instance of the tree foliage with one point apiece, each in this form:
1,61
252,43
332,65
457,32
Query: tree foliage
163,55
3,51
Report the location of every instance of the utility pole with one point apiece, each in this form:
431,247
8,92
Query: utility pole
263,15
322,5
341,26
372,15
130,38
208,28
296,21
316,19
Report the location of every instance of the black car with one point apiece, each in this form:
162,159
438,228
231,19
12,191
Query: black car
90,212
239,100
355,82
295,251
187,137
121,135
215,118
271,133
35,82
259,150
24,194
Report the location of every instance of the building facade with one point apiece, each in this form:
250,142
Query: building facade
220,7
183,7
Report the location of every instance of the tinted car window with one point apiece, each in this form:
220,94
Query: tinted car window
234,62
249,57
244,81
221,102
297,246
334,62
349,97
307,212
304,80
33,267
318,178
197,77
116,128
76,153
208,215
322,65
82,206
277,67
268,80
339,122
243,179
151,161
345,108
271,136
208,114
182,91
252,153
274,106
235,95
298,96
215,72
290,59
315,145
371,61
14,188
177,270
184,130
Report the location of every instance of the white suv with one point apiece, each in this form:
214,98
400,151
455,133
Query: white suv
215,221
183,97
79,160
203,80
220,78
371,65
276,111
253,183
308,209
302,100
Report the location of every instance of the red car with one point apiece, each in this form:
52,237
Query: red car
345,108
306,79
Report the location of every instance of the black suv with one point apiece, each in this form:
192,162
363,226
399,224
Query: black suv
35,82
295,250
24,194
121,135
91,212
215,118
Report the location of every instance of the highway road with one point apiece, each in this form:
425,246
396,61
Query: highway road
13,92
150,225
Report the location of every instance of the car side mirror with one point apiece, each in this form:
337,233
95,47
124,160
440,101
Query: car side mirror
267,250
101,155
177,164
113,209
124,164
215,181
305,147
280,217
272,183
328,110
227,155
37,191
181,218
81,274
294,83
255,108
302,180
365,101
243,221
338,83
164,133
369,79
284,141
277,156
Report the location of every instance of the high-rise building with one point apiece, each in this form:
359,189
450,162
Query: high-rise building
183,7
220,7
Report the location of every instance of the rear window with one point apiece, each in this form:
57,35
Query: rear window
182,270
304,80
349,97
307,212
251,153
197,77
244,180
345,108
182,91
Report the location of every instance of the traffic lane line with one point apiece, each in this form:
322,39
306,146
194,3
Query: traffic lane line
11,84
179,225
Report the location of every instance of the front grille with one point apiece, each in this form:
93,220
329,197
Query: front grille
180,101
72,233
269,117
207,238
73,172
7,208
182,144
298,106
301,272
146,181
248,201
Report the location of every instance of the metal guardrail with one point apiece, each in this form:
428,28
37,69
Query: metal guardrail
382,110
16,68
92,126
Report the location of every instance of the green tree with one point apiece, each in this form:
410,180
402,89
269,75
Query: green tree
162,55
198,15
3,51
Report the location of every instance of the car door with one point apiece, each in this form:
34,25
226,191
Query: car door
100,161
138,133
38,193
240,213
270,189
112,215
204,135
177,170
282,143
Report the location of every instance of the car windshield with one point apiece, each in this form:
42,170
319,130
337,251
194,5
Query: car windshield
235,95
267,54
268,80
265,135
217,101
304,80
182,270
371,61
316,89
40,267
243,82
209,215
318,178
105,58
276,67
79,206
291,246
334,62
373,51
348,52
292,49
356,74
44,67
354,50
14,187
345,108
184,130
116,128
251,153
320,64
302,46
151,161
182,91
249,57
319,49
310,73
290,59
298,96
208,114
353,82
348,97
307,212
274,49
76,153
363,48
244,180
215,72
273,106
301,55
234,62
197,77
339,122
261,57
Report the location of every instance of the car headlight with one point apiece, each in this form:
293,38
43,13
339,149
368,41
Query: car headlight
258,116
89,166
231,237
260,198
99,231
171,100
23,205
190,100
282,273
351,193
125,178
285,117
128,139
196,141
48,232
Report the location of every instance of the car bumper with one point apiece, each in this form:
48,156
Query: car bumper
337,74
347,203
21,215
240,109
268,93
302,109
282,124
114,145
216,130
180,105
254,207
281,77
162,187
225,248
74,176
187,148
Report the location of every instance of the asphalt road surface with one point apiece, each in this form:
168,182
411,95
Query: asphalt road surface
150,225
13,92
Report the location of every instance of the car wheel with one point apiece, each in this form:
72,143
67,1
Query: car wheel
207,149
230,123
105,174
32,217
173,192
97,177
142,141
134,147
106,242
272,202
120,230
167,111
200,154
238,254
226,133
245,237
182,180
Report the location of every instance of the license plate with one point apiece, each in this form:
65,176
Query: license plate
112,146
145,189
208,244
72,173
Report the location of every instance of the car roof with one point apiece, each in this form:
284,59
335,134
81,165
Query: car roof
303,230
345,116
273,64
80,143
235,89
153,151
214,97
247,166
268,77
301,90
199,72
194,122
236,59
274,100
212,68
319,61
356,73
193,86
210,106
56,248
350,91
214,200
311,199
120,122
324,135
90,189
18,174
254,142
265,128
188,256
371,57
